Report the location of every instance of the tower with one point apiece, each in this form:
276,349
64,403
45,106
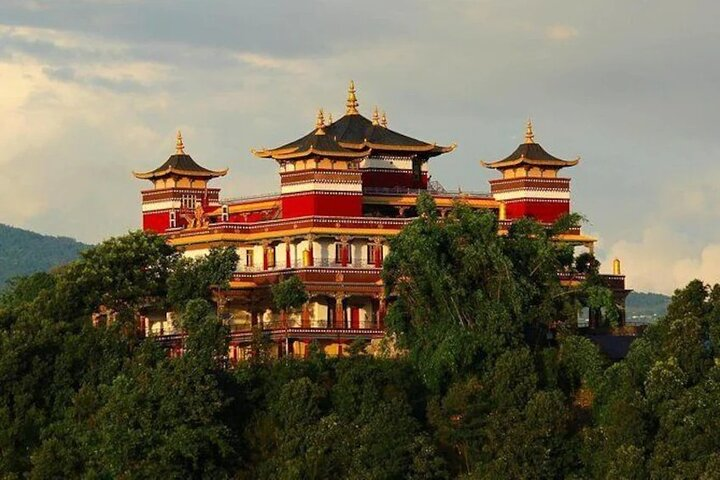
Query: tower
327,171
318,176
530,185
179,196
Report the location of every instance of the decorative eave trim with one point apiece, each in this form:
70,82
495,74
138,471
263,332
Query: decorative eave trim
530,161
187,173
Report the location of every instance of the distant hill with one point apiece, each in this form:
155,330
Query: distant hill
646,306
23,252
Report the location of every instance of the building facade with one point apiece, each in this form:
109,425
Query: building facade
346,187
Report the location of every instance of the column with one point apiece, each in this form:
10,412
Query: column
288,242
306,315
382,311
265,254
377,252
308,255
340,310
344,250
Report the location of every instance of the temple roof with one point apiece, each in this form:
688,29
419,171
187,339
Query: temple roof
355,132
180,163
531,153
318,142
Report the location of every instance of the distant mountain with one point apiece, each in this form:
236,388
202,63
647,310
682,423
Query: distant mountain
23,252
643,307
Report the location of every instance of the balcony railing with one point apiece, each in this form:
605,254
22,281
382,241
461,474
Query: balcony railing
246,336
322,262
415,191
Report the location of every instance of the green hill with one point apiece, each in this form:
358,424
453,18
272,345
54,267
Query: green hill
644,307
23,252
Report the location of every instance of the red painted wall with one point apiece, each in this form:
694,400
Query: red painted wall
330,205
386,179
156,221
251,217
543,211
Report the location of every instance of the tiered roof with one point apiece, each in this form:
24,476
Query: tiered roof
180,164
357,133
532,154
318,142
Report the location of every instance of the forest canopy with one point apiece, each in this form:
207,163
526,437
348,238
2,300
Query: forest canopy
489,377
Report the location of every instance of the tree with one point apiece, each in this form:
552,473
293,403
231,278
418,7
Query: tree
289,294
194,278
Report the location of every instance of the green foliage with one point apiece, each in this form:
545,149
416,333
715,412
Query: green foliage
289,294
655,411
193,278
483,392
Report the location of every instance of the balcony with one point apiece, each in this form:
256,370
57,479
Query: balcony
323,262
245,337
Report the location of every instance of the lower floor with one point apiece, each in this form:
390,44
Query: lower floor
244,311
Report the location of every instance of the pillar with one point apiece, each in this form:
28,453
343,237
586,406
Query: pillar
377,252
306,315
340,310
288,263
382,311
265,255
344,257
308,257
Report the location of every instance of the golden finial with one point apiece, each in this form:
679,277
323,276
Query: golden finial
376,116
329,120
383,120
529,135
352,102
179,145
320,122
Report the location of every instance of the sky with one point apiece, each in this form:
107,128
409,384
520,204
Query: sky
91,90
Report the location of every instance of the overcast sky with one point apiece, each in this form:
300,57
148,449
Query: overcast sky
91,90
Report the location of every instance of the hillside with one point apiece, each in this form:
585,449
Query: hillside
23,252
644,307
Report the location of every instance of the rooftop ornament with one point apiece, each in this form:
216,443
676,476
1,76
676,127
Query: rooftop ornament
179,145
352,102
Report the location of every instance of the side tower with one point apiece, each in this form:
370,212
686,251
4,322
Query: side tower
530,185
180,195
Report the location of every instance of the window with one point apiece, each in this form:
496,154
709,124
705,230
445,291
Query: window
417,168
225,213
338,253
187,201
249,256
370,254
173,219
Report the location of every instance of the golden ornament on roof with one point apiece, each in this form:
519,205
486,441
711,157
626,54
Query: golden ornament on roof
529,135
179,145
376,116
352,102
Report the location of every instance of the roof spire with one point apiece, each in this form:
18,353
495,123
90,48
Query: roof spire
320,122
383,120
179,145
329,119
352,102
376,116
529,135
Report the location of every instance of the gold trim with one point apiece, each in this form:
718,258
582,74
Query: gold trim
240,237
529,161
188,173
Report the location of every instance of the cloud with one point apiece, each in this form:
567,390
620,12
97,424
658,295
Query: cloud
663,260
561,32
